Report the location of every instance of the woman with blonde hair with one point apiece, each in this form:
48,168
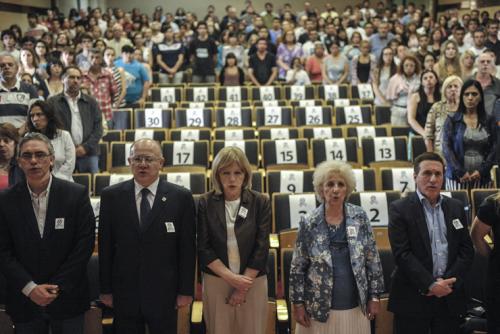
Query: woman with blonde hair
449,60
234,223
468,63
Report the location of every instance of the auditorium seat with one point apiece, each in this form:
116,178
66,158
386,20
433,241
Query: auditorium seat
361,114
417,146
170,94
158,135
250,147
112,135
233,117
368,131
385,152
273,116
333,92
84,179
321,132
344,149
298,93
288,209
293,181
122,119
313,116
478,196
194,118
382,115
400,179
203,93
186,155
190,134
233,93
235,134
283,154
278,133
266,93
153,118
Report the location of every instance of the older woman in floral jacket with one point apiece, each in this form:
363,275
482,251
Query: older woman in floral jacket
336,276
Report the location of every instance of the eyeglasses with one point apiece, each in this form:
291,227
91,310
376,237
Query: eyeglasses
39,156
144,159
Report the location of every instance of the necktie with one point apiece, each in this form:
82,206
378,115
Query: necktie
145,207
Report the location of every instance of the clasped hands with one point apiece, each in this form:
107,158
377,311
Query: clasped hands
471,177
442,287
44,294
241,285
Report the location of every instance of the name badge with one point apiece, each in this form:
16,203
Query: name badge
170,227
457,224
243,212
351,232
59,224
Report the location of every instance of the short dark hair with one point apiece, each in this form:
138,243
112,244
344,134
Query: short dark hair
8,32
54,62
426,156
71,67
127,49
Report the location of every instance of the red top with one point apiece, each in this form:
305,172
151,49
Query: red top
4,181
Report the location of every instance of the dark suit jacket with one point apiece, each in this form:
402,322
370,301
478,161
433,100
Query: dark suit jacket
252,232
91,119
410,243
60,257
145,266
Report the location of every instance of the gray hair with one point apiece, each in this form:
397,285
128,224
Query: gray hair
35,136
326,169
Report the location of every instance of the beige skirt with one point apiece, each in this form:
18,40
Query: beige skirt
222,318
351,321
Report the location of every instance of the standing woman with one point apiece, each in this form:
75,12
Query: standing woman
54,82
335,67
10,173
41,50
450,96
315,62
43,120
336,276
231,74
401,86
234,223
287,50
488,220
469,141
386,68
363,65
468,63
449,61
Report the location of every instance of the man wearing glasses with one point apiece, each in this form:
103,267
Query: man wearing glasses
47,233
146,246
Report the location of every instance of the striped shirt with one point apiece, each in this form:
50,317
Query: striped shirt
14,103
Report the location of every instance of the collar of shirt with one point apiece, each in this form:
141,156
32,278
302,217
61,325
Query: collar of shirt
17,86
44,193
72,100
153,187
426,202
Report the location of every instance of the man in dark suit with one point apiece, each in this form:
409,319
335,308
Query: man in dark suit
146,246
47,233
432,250
81,116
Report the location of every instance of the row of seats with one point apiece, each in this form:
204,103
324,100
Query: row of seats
201,116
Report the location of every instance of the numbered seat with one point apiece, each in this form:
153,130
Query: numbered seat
233,94
417,146
258,180
397,131
235,104
153,118
478,196
273,116
368,131
194,105
161,105
112,135
235,134
351,115
186,155
344,149
120,152
122,119
270,103
376,205
266,93
194,181
103,180
278,133
313,116
233,117
167,94
332,92
400,179
190,134
103,157
343,102
84,179
298,93
292,181
385,152
156,134
366,179
249,147
197,118
363,92
306,103
382,115
288,209
200,94
285,154
312,132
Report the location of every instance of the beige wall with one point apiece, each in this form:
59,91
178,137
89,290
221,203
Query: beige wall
32,3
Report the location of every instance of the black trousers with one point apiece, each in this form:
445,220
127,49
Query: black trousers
137,324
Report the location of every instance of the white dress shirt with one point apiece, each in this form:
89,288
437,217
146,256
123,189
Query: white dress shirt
233,252
153,187
76,119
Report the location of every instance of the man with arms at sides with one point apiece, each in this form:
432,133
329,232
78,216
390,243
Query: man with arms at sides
146,246
47,233
432,251
262,70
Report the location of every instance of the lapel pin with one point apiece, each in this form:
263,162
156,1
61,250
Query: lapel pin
163,199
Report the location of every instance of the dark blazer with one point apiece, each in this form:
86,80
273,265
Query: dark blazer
145,266
91,119
410,243
60,257
252,232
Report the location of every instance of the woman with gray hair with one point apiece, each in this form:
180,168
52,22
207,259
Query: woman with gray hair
336,276
234,223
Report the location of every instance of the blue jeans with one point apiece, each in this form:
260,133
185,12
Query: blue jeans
44,325
88,164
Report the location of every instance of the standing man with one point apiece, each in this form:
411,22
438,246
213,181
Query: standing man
490,84
80,115
381,39
203,55
432,250
47,232
146,246
137,78
262,69
492,41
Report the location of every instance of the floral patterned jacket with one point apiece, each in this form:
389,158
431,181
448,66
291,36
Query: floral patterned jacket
311,273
